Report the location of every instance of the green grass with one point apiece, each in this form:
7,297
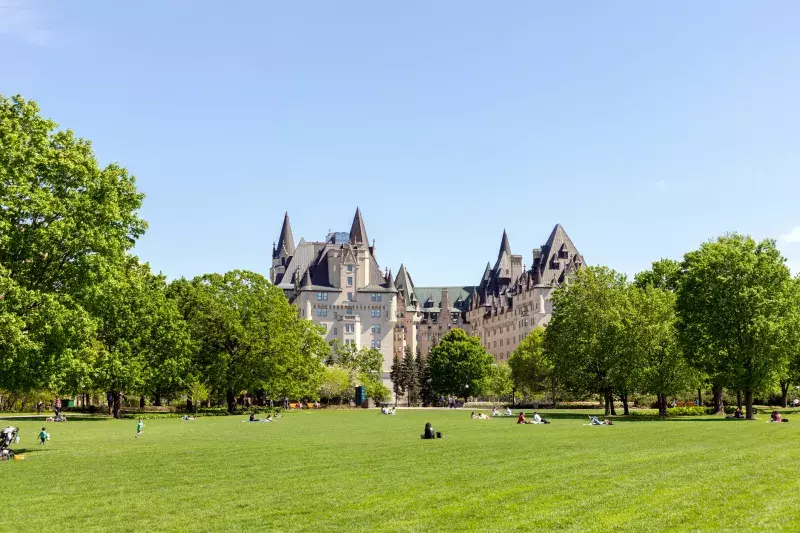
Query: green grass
356,470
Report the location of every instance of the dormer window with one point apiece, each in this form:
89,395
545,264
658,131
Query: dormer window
349,268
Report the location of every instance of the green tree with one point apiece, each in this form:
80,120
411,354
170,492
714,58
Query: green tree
584,334
65,225
459,365
397,377
334,383
663,274
248,335
532,369
499,383
410,378
425,380
732,295
651,341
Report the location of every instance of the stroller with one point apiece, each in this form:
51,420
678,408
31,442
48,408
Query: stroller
8,436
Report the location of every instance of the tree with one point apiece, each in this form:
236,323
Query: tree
396,375
790,340
410,378
197,392
425,380
732,295
459,365
584,334
663,274
334,383
142,339
65,225
499,383
651,342
249,336
532,370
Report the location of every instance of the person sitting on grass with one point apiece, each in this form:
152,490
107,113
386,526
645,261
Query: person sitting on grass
42,436
429,433
508,411
473,415
736,414
495,412
253,418
187,417
521,419
775,417
538,419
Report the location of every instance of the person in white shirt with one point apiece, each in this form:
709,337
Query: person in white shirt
536,418
508,412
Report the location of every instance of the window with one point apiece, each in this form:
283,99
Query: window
349,342
349,328
322,296
376,297
349,268
375,313
376,328
335,330
376,344
349,281
350,297
349,310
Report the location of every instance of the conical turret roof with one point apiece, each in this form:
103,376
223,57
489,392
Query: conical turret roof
358,233
286,240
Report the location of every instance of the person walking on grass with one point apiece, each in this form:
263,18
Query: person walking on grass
42,436
139,427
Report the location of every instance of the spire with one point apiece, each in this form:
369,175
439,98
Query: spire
358,234
504,246
307,279
286,240
389,279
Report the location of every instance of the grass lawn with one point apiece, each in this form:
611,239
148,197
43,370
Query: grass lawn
359,471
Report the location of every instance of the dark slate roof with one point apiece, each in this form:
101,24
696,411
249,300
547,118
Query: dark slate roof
404,284
558,256
358,233
502,268
430,298
286,240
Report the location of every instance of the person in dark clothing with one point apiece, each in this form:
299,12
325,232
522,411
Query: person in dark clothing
430,433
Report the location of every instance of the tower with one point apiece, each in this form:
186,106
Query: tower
282,252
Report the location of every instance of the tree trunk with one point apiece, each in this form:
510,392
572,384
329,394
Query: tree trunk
785,393
719,407
624,399
117,404
189,403
157,399
555,401
699,397
662,405
141,402
739,399
748,400
231,399
606,397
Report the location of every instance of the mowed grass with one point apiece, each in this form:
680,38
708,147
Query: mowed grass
360,471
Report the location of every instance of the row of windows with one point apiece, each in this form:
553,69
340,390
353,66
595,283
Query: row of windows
322,296
376,344
322,312
352,342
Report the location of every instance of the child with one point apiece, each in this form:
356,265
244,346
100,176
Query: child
139,427
42,436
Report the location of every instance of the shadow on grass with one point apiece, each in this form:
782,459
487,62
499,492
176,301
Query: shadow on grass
35,418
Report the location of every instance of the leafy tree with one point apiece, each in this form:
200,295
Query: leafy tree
790,340
499,383
410,378
585,331
663,274
65,224
142,339
249,336
732,295
459,365
334,383
197,392
651,342
377,391
532,369
397,377
425,380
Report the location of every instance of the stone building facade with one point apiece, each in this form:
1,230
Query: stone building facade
338,284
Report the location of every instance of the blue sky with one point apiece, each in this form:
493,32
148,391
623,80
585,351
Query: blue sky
643,128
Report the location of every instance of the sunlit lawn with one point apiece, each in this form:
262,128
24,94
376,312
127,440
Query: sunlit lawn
360,471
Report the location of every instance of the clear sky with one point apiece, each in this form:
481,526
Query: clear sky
643,128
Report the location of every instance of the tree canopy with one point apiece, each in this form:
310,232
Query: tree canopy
459,365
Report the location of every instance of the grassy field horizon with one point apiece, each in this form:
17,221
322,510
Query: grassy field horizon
356,470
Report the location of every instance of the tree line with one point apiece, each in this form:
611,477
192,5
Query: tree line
80,314
726,317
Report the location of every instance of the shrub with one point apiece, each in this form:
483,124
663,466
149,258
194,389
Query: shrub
686,411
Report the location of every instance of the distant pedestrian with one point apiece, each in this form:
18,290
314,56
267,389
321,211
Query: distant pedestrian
139,428
43,436
58,405
286,403
39,407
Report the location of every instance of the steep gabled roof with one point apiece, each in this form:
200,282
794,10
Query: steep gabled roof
404,284
555,255
358,233
286,240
